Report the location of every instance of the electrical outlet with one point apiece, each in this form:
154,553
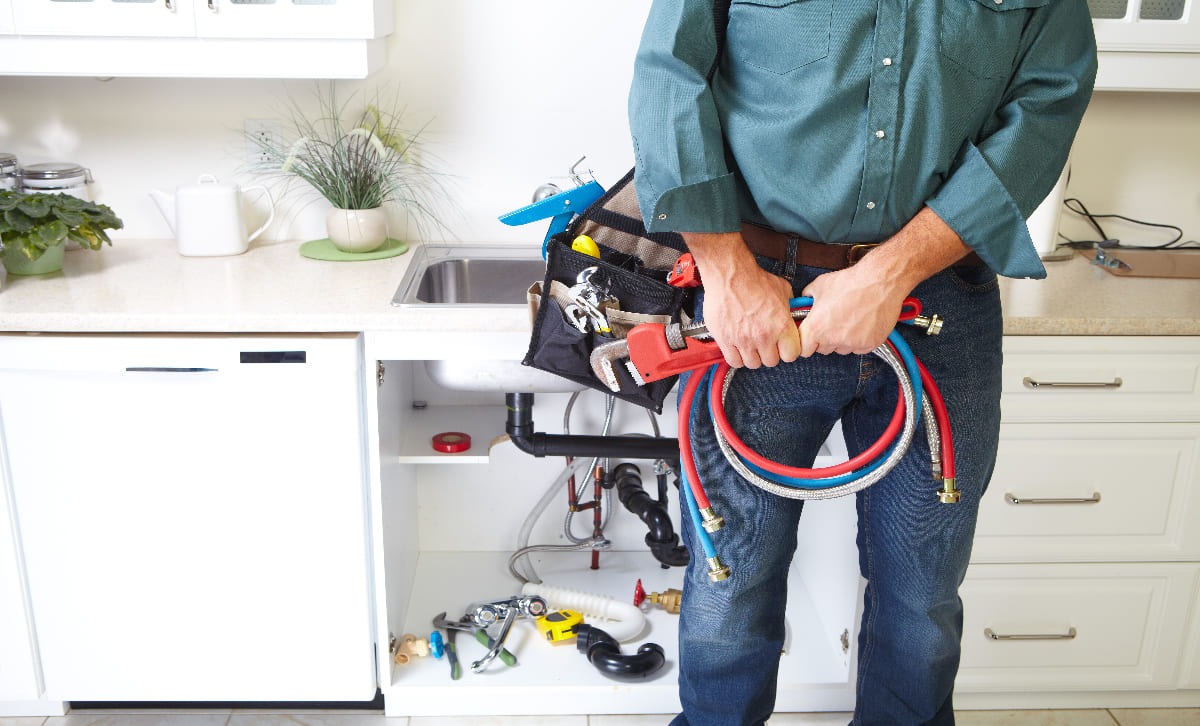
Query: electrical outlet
261,133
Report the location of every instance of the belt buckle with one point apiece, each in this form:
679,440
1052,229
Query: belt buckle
857,252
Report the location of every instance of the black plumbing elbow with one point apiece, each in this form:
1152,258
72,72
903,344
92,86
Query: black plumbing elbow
661,539
603,652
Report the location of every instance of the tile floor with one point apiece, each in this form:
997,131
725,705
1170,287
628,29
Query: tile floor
1095,717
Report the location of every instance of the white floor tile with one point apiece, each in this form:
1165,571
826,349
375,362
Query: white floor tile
314,718
22,721
658,719
1157,716
498,721
810,719
1090,717
110,718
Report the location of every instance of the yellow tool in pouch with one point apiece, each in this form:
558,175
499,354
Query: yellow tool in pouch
586,245
559,625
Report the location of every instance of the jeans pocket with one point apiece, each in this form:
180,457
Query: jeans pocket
982,36
780,35
973,278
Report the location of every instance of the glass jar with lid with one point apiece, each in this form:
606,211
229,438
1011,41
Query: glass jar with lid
57,177
10,173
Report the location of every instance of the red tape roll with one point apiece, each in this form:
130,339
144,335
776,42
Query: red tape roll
451,442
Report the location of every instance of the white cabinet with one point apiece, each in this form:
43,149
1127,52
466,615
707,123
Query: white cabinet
292,18
193,515
1073,627
197,38
1145,25
121,18
6,17
18,665
1087,553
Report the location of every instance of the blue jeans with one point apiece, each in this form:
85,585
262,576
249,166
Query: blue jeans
913,549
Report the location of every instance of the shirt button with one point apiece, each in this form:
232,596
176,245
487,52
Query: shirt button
880,134
887,61
662,216
870,205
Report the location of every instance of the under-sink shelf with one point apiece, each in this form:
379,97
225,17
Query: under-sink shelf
557,679
484,424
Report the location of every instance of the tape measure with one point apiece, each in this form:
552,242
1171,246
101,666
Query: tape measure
559,625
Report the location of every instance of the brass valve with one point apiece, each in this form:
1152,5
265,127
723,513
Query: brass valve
669,600
410,647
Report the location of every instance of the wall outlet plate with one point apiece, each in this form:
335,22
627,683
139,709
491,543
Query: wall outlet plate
260,133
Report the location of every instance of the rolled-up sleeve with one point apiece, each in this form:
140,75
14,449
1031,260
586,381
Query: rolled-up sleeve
683,182
996,184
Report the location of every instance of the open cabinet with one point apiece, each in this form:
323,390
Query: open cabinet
450,523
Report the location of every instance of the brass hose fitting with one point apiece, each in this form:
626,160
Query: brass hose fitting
717,570
949,493
712,521
931,323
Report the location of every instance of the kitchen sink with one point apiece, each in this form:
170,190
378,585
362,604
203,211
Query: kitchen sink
449,276
476,275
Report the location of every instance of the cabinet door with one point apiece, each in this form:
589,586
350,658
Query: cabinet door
1073,627
6,18
344,19
121,18
193,515
18,671
1146,25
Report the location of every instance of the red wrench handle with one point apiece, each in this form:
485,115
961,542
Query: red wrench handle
655,360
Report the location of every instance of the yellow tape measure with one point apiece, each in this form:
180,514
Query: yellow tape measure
559,625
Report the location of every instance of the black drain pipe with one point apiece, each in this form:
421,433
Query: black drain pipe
661,539
519,428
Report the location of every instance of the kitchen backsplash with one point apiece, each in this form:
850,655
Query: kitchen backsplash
513,93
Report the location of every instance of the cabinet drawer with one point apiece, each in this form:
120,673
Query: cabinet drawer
1077,627
1101,379
1092,493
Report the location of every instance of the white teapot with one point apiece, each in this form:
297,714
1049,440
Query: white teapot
207,219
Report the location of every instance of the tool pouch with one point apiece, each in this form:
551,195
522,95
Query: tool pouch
632,270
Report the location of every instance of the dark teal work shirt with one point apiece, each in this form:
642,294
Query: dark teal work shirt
838,120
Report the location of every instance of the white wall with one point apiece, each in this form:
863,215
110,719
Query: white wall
514,92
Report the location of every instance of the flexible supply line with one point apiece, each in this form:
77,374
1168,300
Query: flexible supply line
918,398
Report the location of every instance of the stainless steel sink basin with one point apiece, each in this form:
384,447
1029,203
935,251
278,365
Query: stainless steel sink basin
477,275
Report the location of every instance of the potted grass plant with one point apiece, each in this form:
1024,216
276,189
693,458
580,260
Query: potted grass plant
360,158
35,229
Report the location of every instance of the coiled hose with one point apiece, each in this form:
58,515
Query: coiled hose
918,398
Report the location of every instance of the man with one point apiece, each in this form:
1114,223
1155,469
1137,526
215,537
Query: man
854,151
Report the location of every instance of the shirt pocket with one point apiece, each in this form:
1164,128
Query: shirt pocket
779,35
982,36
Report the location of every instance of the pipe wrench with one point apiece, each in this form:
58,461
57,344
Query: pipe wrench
654,351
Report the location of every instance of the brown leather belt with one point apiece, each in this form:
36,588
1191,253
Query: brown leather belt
769,243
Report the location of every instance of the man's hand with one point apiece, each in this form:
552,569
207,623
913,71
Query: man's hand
745,307
854,309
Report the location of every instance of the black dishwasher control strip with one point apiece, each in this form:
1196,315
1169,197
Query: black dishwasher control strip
274,356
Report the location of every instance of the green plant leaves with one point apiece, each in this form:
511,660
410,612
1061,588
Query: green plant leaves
19,221
33,222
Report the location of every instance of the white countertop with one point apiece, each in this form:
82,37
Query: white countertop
146,286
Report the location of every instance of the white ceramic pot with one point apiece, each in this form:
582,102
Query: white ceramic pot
357,230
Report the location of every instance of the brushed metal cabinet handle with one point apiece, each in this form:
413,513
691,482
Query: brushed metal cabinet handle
992,635
1035,384
1013,499
167,369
